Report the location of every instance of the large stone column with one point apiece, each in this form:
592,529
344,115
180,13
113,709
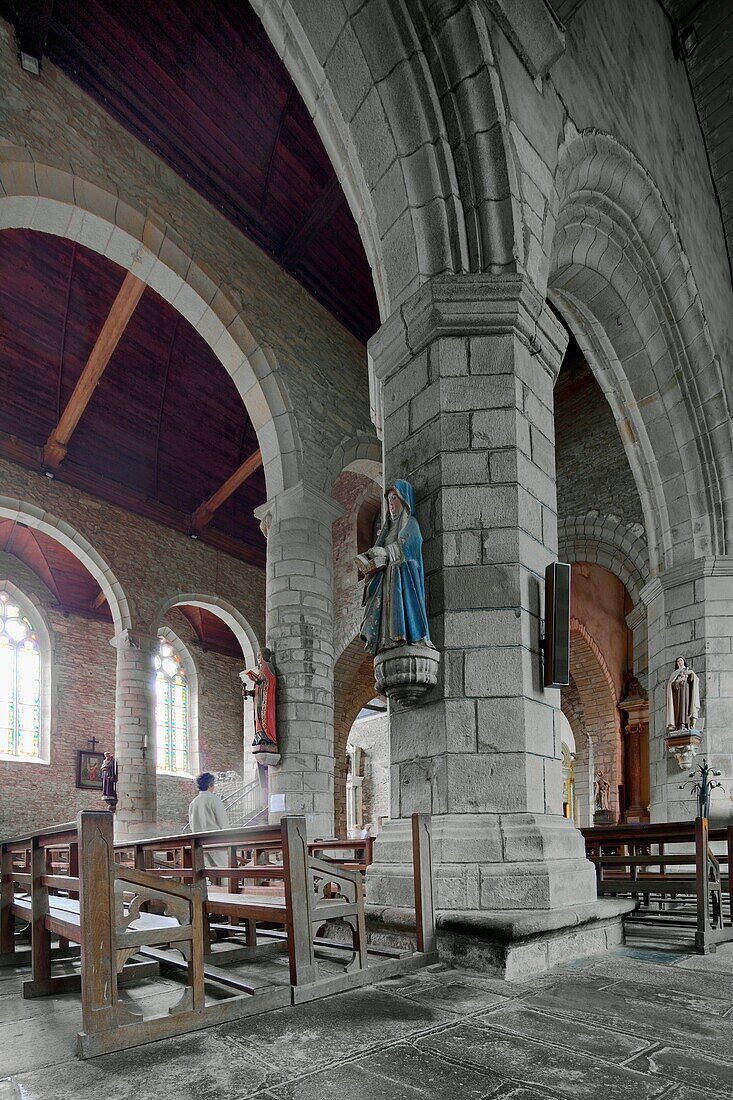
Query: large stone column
299,624
135,748
690,612
465,372
636,707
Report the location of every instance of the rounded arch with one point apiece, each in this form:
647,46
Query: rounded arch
51,199
226,611
600,717
33,516
353,686
426,177
359,454
192,679
607,541
621,279
31,607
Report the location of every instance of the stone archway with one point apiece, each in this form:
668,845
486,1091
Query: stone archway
429,182
622,282
224,610
353,688
50,199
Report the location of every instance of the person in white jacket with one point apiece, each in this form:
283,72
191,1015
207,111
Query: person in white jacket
207,813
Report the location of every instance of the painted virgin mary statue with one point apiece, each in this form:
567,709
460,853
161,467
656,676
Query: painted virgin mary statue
395,612
683,697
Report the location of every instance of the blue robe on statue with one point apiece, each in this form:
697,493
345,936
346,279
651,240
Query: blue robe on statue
395,611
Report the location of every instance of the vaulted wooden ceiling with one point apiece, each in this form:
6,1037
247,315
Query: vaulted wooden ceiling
164,427
201,85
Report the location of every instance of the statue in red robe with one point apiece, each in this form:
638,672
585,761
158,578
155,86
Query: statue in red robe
264,692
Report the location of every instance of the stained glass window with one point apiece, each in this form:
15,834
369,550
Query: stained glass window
172,710
20,683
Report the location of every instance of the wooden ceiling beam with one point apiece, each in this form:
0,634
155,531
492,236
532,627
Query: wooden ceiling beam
117,320
95,485
205,512
319,215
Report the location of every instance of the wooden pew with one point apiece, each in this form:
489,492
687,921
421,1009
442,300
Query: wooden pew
684,868
102,908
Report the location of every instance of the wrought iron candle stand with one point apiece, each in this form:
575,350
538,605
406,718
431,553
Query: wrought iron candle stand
703,787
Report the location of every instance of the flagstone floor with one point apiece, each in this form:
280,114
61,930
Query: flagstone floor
635,1024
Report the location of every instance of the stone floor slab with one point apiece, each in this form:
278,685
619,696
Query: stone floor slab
572,1075
690,1068
399,1073
518,1019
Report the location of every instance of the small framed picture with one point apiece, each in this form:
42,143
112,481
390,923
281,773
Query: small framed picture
89,770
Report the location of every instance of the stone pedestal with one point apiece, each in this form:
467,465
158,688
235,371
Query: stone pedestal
300,633
464,377
690,612
135,747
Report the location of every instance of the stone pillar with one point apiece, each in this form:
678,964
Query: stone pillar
636,706
135,747
465,374
299,624
690,610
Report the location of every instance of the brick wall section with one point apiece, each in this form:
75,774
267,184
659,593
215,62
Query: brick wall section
83,705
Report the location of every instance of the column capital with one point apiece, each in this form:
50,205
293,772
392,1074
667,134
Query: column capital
299,500
469,305
135,640
687,571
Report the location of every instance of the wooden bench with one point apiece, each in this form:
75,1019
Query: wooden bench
668,862
103,909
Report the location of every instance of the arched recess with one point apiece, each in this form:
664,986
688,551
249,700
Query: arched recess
600,717
32,609
51,199
353,687
607,541
224,610
623,284
359,454
192,679
416,135
33,516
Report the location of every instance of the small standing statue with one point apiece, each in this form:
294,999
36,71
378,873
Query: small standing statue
395,625
683,697
602,792
264,693
109,781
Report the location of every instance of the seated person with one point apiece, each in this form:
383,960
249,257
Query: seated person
206,813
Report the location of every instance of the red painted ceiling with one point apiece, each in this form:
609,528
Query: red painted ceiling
165,426
201,84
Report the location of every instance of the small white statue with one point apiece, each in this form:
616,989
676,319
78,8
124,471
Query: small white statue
683,697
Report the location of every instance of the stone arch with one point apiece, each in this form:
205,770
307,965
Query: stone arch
621,279
33,516
31,607
53,199
192,676
427,178
596,692
607,541
226,611
359,454
353,686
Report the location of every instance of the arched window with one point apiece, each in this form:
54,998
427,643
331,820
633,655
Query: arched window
20,683
172,712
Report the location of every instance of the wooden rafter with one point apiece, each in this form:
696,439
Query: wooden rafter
117,320
205,512
319,215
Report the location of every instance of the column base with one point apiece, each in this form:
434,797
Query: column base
487,862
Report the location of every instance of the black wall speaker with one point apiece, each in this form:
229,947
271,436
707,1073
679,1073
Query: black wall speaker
557,625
